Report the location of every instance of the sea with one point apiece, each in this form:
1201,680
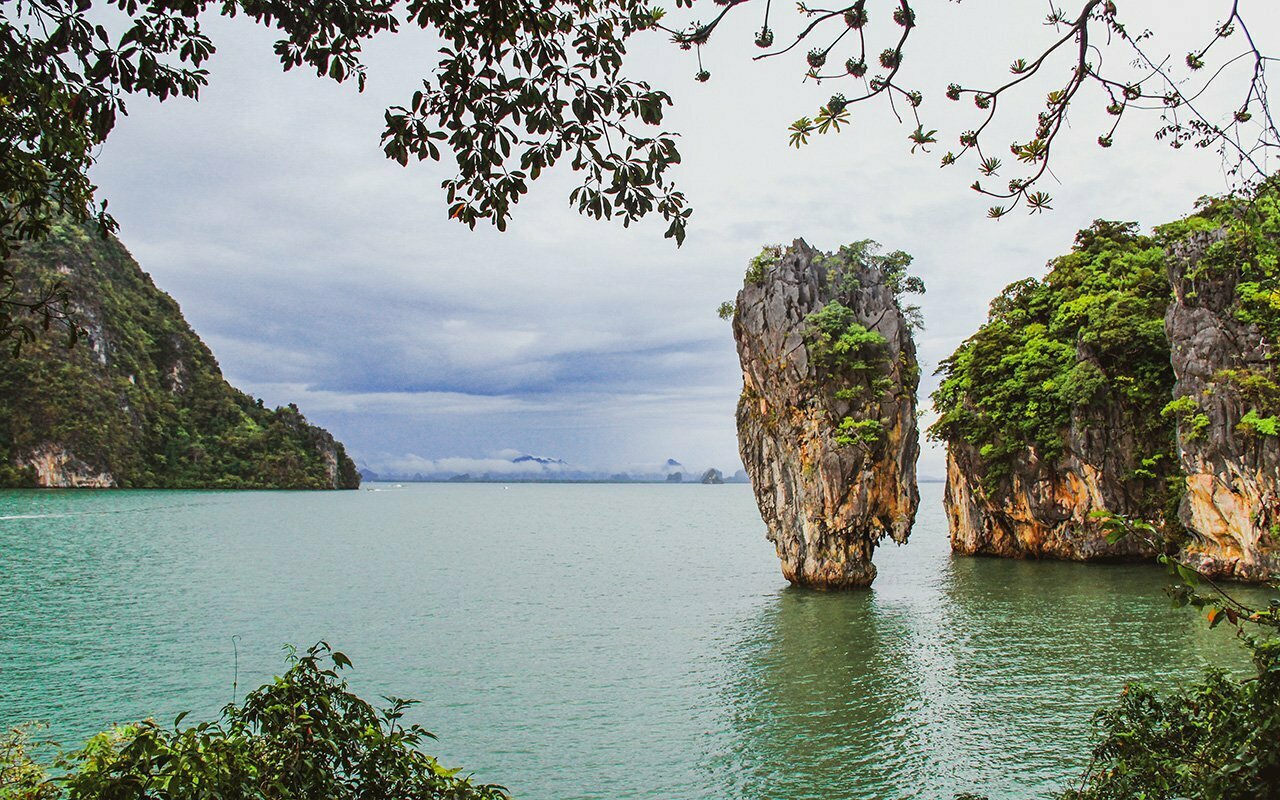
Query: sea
587,641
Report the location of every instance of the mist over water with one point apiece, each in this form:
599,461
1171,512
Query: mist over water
586,641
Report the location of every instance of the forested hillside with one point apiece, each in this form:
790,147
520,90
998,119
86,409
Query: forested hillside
138,400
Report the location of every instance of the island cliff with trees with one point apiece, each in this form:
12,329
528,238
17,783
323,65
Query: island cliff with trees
1138,378
122,393
827,416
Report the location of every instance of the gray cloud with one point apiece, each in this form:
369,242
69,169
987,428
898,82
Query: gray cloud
322,274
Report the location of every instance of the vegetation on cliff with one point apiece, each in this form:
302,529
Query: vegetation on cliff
1087,342
139,401
299,737
852,355
1245,251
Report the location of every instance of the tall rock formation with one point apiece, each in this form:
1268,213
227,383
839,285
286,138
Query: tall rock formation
827,417
1052,411
140,400
1222,325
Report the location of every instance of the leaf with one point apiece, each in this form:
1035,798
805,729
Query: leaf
1039,201
920,138
1188,575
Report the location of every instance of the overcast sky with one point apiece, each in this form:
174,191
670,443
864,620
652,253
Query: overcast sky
320,273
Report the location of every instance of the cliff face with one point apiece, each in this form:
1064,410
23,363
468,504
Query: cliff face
1224,364
826,421
140,401
1041,507
1052,411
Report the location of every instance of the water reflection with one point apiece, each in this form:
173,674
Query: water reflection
580,642
807,707
950,675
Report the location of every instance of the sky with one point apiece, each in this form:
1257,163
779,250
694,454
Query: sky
322,274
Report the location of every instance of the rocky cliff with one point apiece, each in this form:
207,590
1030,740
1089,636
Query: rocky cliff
1222,325
1041,507
139,401
1052,411
827,417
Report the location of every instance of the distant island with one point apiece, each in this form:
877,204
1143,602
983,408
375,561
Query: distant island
138,400
525,468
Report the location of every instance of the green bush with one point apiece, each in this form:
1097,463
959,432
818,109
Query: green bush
839,344
762,263
303,736
1216,740
21,776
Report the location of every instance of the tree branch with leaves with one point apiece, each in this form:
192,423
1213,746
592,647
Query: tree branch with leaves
1079,55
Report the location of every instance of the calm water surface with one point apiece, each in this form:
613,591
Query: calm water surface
584,641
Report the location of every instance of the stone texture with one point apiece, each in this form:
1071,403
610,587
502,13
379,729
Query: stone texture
1042,508
826,505
1231,507
57,468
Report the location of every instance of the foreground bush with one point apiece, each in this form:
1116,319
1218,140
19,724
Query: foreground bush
1218,740
303,736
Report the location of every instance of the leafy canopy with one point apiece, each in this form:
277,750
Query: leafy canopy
520,86
516,87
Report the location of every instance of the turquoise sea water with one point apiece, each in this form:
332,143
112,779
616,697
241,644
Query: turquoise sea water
586,641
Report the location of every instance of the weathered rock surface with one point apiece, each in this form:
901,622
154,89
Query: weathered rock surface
1232,504
1041,508
54,467
827,500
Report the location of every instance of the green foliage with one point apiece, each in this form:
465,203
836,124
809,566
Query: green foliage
1254,425
1248,243
300,737
1087,340
143,398
844,266
514,89
861,432
725,310
838,344
1215,740
1180,407
1186,411
21,776
761,263
850,356
1244,250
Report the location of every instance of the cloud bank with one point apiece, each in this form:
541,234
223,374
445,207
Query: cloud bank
322,274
